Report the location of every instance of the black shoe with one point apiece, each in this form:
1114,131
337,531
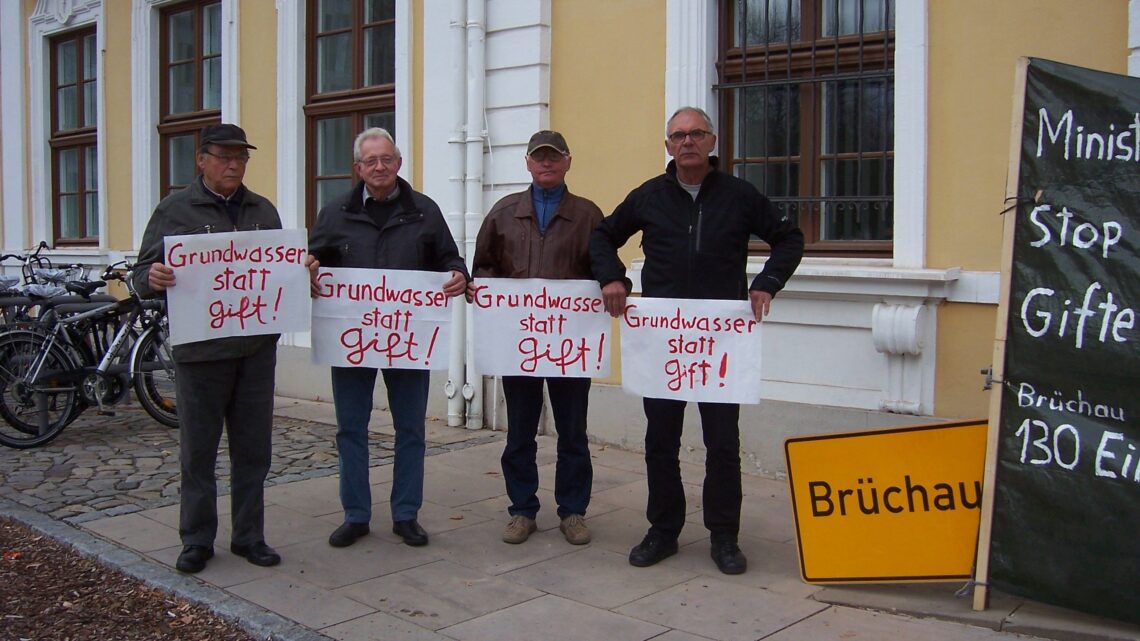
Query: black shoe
652,549
347,534
410,531
257,553
727,555
193,558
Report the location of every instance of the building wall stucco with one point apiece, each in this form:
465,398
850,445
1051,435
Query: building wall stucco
258,91
973,49
118,113
609,104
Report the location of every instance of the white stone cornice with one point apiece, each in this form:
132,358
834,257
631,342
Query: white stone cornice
59,14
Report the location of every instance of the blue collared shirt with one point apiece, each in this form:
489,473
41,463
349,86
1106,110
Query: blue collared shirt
545,203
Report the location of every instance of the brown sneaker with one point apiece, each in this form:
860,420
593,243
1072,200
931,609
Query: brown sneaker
519,529
574,529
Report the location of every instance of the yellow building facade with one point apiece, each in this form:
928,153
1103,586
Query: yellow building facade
890,318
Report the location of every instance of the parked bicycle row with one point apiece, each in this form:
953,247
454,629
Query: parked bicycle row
65,347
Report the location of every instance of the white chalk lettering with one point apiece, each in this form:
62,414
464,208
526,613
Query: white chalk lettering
1118,143
1037,315
1085,235
1105,455
1027,396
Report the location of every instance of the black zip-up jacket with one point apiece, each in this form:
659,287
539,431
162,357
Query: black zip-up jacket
697,249
414,236
194,210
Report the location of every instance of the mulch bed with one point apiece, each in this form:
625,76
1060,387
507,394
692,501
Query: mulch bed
48,591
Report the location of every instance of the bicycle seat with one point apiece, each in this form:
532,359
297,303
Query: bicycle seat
84,288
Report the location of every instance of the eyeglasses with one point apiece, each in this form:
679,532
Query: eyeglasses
545,154
226,159
678,137
372,161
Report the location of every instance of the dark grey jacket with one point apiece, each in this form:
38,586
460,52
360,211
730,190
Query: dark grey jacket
415,236
194,210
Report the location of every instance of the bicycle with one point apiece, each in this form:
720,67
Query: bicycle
78,355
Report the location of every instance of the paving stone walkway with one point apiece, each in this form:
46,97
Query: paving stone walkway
111,465
109,486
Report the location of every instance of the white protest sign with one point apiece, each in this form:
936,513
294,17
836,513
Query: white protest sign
692,350
384,318
534,327
237,284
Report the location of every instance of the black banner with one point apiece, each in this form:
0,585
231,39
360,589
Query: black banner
1066,521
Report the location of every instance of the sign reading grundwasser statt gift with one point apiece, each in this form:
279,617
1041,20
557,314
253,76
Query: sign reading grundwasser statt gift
1064,460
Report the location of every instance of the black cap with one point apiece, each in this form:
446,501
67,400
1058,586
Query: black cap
547,138
225,135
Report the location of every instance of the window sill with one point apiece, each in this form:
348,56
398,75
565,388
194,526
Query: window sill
875,278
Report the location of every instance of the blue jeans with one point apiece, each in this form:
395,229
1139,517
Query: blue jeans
407,400
573,473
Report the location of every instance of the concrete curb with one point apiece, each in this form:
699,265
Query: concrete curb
258,621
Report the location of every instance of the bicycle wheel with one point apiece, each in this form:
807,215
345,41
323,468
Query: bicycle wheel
34,413
153,366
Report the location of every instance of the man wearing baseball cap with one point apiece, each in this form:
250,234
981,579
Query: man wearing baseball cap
222,382
543,232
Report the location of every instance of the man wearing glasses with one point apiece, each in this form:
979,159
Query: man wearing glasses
543,232
696,222
222,382
382,223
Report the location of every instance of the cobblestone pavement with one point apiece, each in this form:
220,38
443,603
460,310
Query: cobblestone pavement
111,465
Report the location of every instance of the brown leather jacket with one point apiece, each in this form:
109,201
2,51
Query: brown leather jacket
509,245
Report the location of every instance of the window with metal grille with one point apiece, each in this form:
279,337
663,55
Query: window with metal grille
351,86
74,153
807,110
190,86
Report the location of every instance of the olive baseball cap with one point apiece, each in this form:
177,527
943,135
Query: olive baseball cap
547,138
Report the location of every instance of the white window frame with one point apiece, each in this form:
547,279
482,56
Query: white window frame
690,73
145,68
291,149
52,17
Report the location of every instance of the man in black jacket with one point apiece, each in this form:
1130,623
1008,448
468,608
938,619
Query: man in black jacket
696,222
382,223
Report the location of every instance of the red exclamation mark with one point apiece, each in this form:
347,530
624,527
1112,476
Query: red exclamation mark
601,343
431,346
723,368
277,303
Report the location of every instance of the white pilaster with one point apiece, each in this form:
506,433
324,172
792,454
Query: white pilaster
690,57
231,63
144,118
910,134
1134,38
13,98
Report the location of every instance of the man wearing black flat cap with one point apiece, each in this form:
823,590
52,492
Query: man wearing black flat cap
222,382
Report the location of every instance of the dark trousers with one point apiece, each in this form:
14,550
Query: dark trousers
573,473
722,492
235,394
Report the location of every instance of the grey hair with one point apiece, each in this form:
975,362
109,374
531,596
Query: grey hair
368,134
696,110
